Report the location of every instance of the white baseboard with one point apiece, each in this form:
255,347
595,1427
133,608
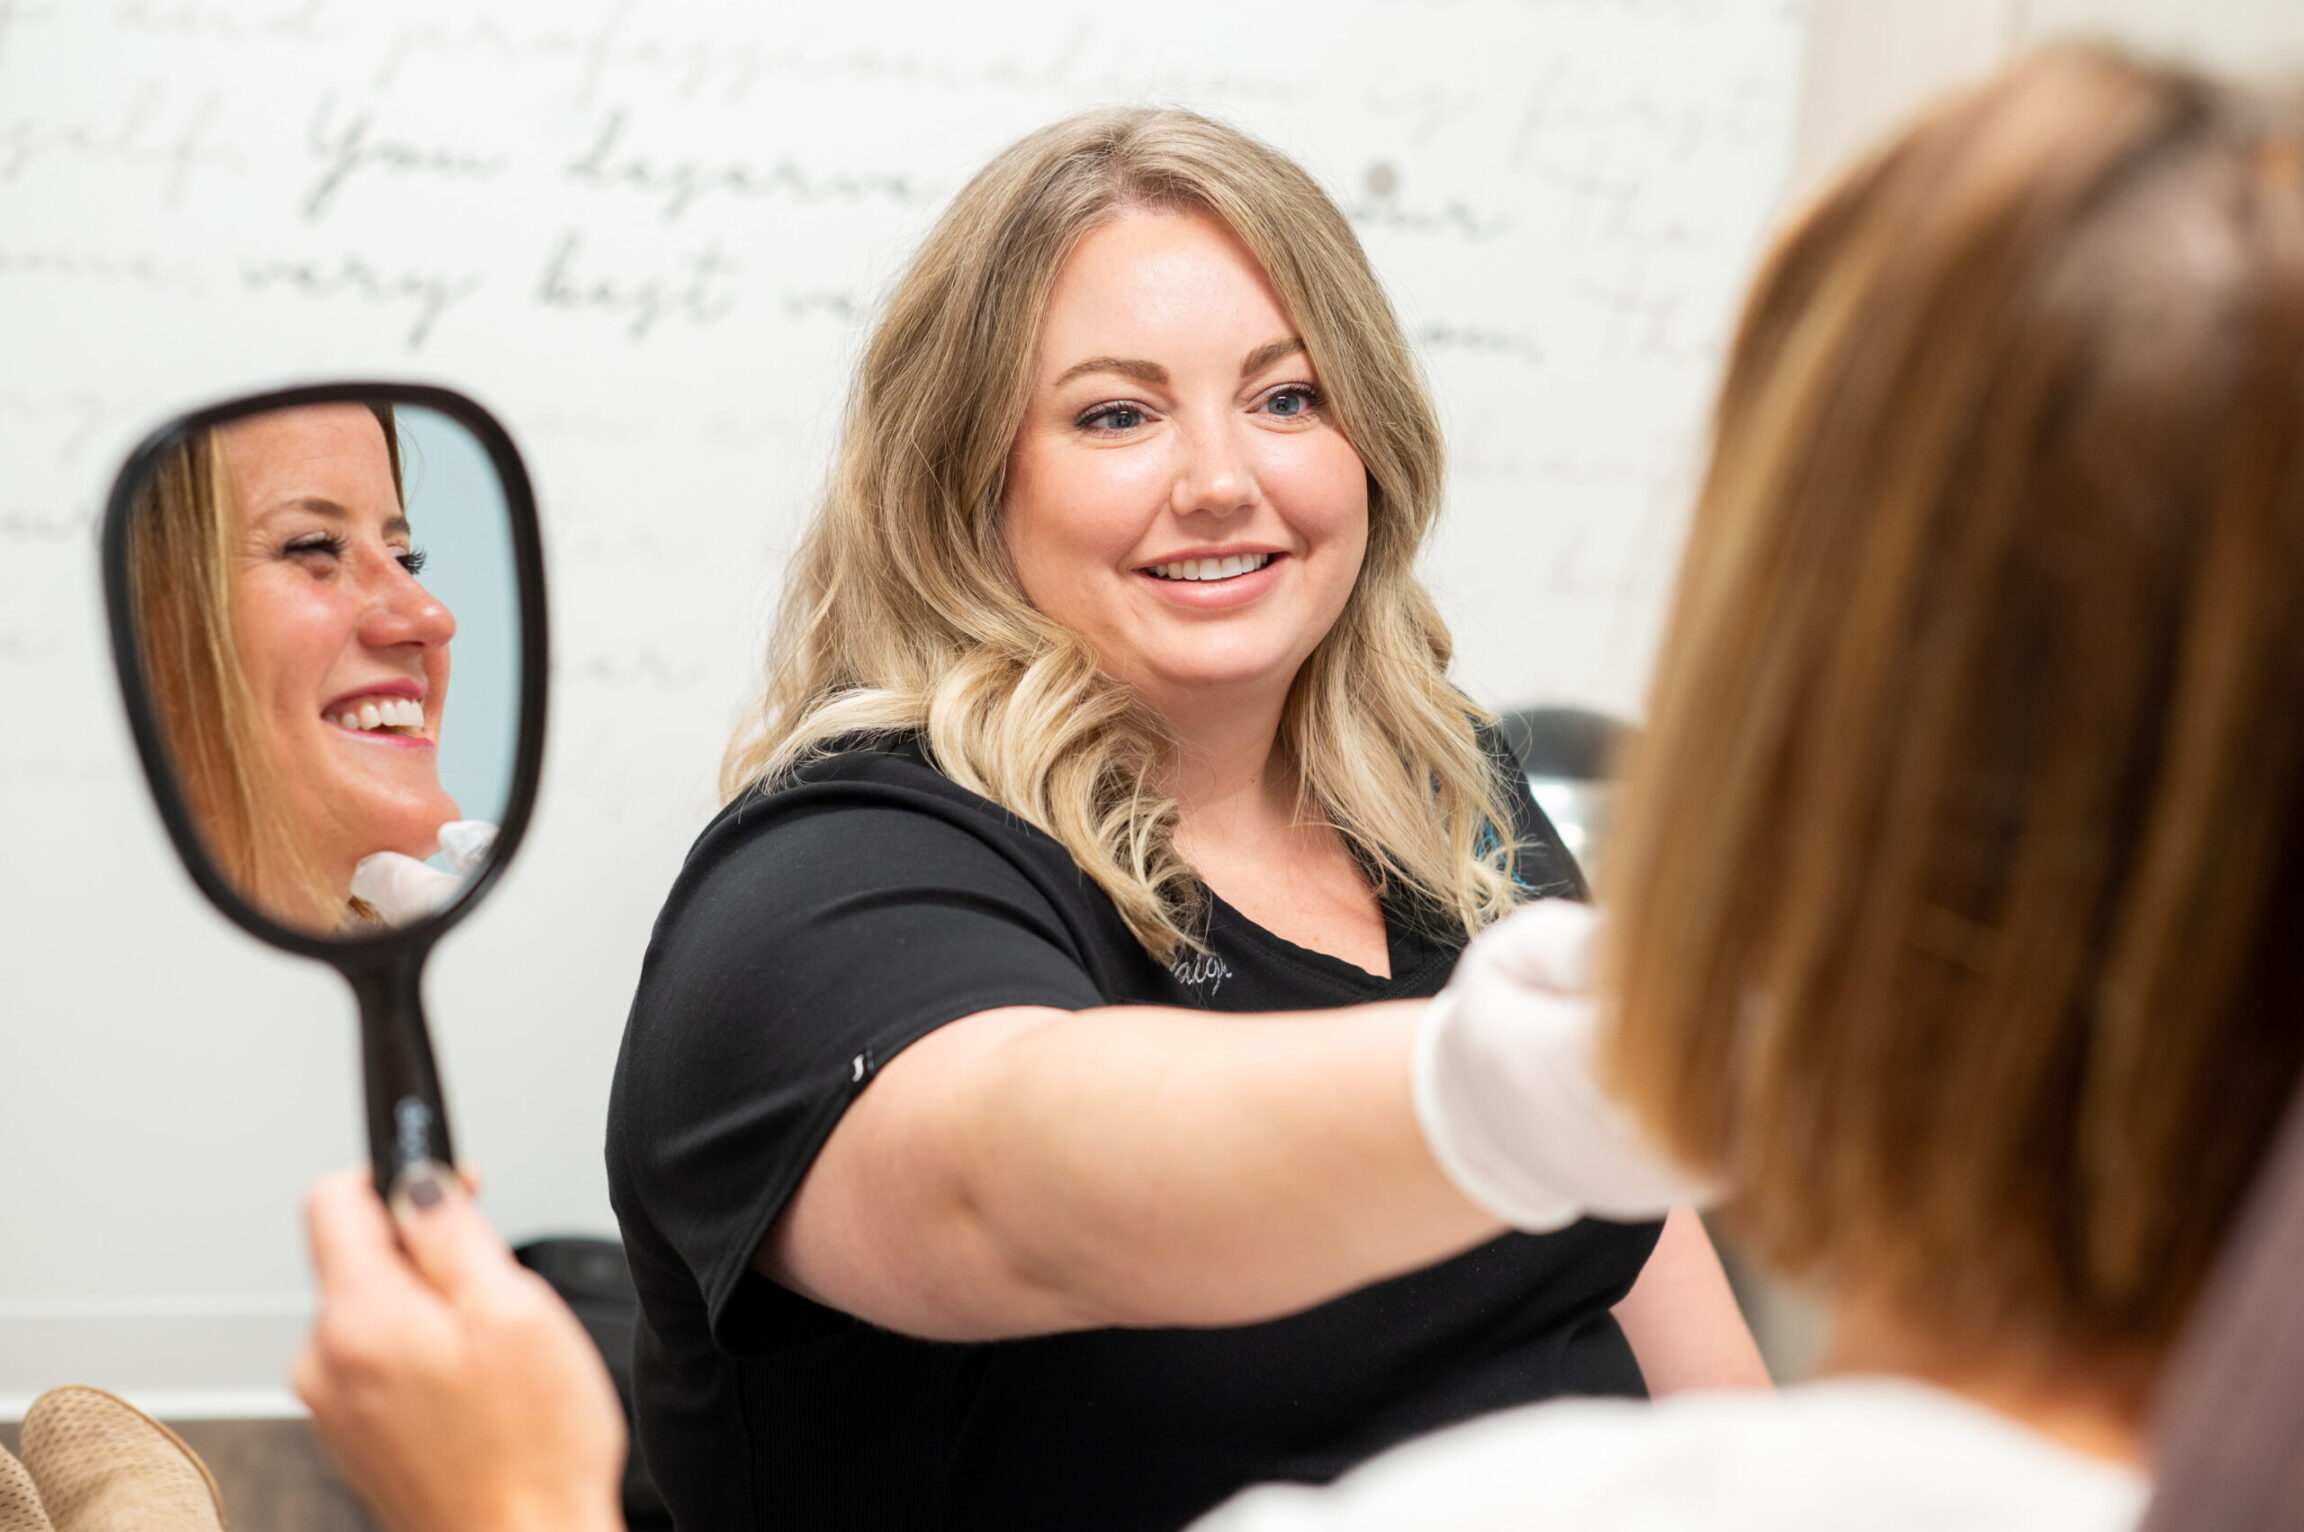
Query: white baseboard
196,1358
213,1404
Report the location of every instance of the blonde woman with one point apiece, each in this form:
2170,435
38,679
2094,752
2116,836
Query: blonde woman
1104,706
298,666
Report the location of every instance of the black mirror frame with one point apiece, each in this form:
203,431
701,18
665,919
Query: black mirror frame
535,661
407,1117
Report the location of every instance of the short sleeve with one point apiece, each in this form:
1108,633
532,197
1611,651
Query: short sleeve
799,953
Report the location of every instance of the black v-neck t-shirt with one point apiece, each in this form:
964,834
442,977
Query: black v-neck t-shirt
813,934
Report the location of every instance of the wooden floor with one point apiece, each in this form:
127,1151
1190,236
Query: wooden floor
274,1476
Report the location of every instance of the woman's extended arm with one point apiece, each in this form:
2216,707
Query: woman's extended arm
1026,1171
1682,1320
1031,1170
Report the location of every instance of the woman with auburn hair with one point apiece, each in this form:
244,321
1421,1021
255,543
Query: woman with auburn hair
297,666
1954,898
1103,698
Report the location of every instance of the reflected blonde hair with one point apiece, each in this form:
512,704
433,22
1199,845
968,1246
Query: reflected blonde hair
181,533
1956,893
901,612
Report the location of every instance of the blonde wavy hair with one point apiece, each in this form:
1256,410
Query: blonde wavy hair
902,614
181,533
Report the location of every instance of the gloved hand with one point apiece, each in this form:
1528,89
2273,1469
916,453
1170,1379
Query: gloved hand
403,889
1504,1083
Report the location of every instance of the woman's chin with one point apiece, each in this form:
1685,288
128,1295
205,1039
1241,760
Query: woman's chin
420,837
1210,678
411,828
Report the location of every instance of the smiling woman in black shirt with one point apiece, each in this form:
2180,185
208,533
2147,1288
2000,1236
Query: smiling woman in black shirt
1104,706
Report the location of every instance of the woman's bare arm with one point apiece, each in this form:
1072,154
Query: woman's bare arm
1683,1322
1026,1171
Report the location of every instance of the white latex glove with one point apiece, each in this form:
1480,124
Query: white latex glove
402,889
1505,1090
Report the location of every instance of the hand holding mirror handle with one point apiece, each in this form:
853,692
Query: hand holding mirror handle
288,576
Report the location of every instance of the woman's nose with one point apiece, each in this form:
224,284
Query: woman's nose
401,611
1215,472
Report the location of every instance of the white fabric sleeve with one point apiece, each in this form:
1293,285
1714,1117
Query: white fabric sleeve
1505,1089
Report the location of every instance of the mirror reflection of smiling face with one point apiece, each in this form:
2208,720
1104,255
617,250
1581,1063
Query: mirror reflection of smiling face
345,653
1177,494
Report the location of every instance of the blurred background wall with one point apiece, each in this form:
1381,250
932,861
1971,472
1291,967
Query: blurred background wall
650,237
1871,61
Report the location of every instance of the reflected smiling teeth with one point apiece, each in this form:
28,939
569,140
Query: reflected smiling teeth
1212,569
383,713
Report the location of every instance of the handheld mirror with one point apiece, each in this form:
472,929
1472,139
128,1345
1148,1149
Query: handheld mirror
327,610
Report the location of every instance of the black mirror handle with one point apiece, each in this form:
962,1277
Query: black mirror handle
407,1116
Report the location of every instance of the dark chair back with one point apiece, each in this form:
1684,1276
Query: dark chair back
593,1278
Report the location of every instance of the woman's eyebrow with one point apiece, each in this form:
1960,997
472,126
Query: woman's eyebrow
1127,367
1265,355
1152,372
320,505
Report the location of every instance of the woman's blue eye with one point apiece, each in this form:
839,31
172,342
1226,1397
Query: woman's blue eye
1290,403
1113,417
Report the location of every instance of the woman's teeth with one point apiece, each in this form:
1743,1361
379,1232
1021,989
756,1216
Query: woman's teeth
383,713
1212,569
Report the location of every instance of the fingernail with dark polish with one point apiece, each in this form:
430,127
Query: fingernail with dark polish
420,1188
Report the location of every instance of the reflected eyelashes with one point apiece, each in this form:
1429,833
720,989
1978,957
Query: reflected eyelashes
331,546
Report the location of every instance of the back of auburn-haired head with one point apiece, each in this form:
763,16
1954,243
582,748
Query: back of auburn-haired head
1958,884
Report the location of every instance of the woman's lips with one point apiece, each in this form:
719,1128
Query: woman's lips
379,713
382,737
380,690
1215,595
390,718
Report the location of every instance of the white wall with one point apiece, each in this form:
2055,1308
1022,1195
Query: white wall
205,195
1872,61
2252,36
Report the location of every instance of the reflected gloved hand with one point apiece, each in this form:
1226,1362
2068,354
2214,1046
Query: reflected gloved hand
1504,1083
403,889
